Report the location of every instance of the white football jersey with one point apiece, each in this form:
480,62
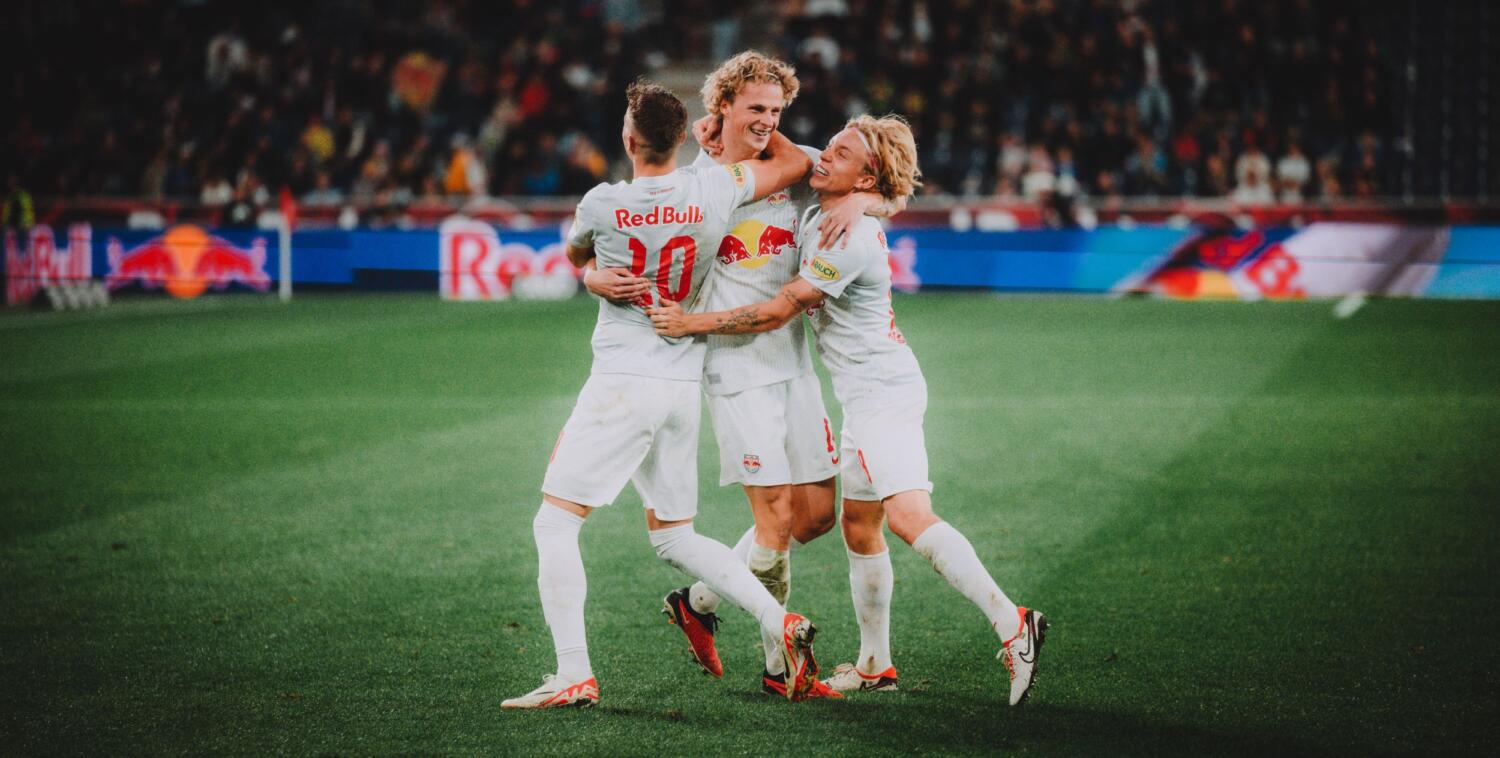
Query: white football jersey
856,324
756,258
666,229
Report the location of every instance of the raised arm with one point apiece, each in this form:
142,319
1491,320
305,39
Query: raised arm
782,165
671,321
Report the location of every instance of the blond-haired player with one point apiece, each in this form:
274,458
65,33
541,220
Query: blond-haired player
766,402
636,418
884,396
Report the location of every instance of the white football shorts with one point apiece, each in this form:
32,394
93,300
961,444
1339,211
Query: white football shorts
775,434
630,428
884,452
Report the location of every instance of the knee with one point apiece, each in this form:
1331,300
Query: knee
812,526
774,516
909,524
812,509
862,530
778,527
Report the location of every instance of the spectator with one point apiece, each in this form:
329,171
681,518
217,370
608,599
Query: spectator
323,193
217,192
1254,188
18,213
1329,186
1292,174
466,173
318,139
1252,161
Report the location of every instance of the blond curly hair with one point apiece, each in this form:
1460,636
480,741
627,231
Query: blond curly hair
749,67
894,150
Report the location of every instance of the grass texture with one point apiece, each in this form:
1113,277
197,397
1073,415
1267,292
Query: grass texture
234,527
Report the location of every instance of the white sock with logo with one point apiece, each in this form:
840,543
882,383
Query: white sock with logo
870,584
717,566
954,558
563,586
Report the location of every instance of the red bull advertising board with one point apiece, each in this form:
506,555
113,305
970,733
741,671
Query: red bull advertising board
187,261
36,261
473,264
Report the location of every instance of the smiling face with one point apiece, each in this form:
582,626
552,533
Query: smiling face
843,167
750,119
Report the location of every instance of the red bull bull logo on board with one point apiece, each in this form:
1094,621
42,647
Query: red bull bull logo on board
187,260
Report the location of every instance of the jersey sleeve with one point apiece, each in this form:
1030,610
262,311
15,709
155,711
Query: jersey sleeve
831,270
584,221
730,186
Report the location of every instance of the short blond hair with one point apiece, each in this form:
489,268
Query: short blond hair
749,67
894,154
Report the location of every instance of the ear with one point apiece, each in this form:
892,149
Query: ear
724,108
865,183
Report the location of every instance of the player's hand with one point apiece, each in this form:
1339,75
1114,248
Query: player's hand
616,284
668,318
836,223
708,131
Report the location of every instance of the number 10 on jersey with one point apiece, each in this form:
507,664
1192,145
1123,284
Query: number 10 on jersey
663,268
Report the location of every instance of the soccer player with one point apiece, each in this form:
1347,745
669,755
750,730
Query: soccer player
880,385
636,418
765,400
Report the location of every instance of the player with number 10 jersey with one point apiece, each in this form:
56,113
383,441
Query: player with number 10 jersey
636,418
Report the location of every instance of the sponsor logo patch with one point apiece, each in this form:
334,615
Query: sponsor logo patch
778,198
752,463
823,269
752,244
737,170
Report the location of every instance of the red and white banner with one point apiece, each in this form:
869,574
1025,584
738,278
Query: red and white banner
474,264
41,263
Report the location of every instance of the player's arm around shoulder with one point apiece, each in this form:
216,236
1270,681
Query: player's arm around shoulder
832,268
797,296
783,164
580,242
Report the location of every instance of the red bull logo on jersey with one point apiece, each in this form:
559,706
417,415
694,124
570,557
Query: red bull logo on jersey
753,244
661,215
187,261
752,463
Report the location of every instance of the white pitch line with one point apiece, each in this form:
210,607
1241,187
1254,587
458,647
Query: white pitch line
1349,305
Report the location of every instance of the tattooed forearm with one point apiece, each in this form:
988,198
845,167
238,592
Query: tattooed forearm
761,317
743,321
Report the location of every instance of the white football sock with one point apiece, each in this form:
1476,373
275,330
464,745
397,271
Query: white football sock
704,600
700,596
774,570
953,557
870,583
716,566
563,587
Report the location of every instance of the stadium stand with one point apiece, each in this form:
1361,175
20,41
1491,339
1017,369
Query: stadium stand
390,105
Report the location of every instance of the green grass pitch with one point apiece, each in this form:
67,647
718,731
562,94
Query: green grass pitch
230,526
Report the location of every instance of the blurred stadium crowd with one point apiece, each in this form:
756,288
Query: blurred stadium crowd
381,104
